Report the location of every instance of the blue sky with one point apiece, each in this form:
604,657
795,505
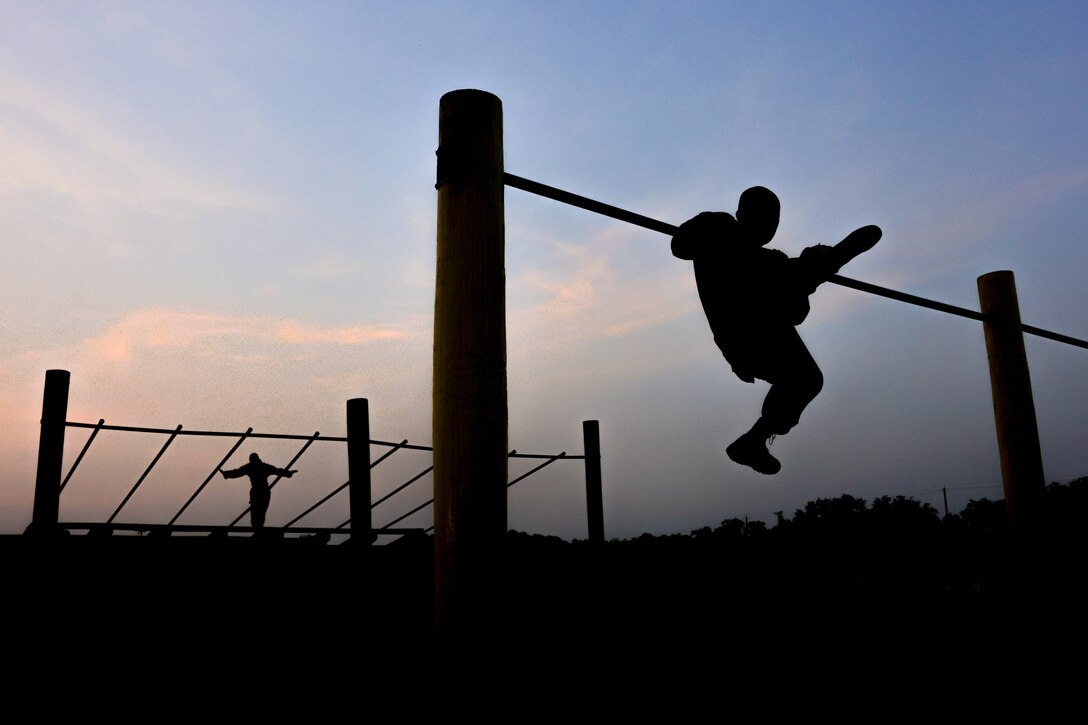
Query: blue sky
223,215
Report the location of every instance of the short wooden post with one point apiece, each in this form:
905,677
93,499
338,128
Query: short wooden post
50,452
359,471
1014,408
469,387
591,436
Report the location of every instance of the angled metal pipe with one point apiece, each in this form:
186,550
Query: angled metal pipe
83,452
146,471
214,471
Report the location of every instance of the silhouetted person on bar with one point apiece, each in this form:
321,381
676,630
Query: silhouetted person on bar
754,298
259,492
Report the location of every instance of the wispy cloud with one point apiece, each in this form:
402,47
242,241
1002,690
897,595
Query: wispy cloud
157,328
50,143
208,370
599,289
295,333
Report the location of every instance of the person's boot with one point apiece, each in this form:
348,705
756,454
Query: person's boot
751,450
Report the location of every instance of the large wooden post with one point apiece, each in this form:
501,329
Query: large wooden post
470,414
50,452
591,436
1014,408
359,470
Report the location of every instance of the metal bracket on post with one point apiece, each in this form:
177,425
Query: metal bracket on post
451,162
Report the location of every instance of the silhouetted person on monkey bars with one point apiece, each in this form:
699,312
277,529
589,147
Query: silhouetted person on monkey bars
754,298
260,494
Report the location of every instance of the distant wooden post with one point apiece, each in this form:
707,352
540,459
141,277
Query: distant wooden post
359,471
50,452
1014,408
591,436
470,411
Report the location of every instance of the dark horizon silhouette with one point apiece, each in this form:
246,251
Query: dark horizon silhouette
842,594
754,298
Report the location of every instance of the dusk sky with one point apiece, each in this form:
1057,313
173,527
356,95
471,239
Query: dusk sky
222,215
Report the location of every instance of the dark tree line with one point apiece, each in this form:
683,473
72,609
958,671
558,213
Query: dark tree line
841,596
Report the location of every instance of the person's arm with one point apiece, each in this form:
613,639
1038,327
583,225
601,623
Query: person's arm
814,266
236,473
707,227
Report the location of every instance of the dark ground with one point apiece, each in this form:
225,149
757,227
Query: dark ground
831,605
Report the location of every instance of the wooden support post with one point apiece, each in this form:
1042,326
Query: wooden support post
50,452
469,388
591,435
359,471
1014,408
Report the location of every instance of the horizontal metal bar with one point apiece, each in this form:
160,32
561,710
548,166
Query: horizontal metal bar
1054,336
548,462
336,439
908,298
515,454
193,528
228,434
535,187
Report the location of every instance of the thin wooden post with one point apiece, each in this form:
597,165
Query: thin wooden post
591,436
1014,408
50,452
359,471
470,412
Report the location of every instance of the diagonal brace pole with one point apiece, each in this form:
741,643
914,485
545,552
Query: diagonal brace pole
215,470
146,471
90,440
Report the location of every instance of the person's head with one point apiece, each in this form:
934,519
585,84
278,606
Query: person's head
254,458
757,213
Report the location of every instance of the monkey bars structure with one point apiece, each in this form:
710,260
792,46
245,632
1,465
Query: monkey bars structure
49,485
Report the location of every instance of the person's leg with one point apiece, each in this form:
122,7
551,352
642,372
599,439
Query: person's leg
258,506
751,450
795,380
